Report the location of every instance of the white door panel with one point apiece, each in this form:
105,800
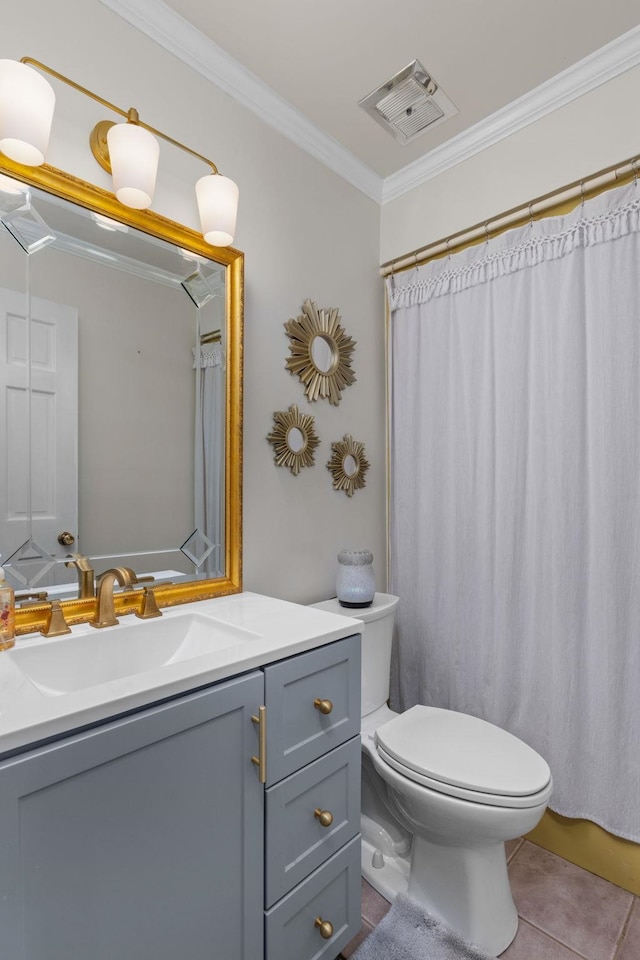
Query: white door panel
47,417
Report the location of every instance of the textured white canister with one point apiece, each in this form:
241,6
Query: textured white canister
355,582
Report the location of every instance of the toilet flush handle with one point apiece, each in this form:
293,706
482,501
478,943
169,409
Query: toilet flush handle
324,706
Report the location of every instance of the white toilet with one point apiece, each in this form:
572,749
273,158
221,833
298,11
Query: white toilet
441,792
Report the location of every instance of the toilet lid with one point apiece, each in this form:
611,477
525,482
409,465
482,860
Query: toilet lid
463,751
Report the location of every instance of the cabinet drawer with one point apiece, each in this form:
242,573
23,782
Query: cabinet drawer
296,840
331,893
298,732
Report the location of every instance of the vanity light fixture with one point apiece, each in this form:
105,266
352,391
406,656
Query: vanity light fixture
27,101
13,188
129,151
107,223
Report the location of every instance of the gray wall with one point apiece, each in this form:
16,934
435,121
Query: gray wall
305,233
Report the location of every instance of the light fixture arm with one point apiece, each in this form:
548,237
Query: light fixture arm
99,132
128,151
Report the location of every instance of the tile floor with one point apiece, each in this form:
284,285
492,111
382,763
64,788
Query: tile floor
565,912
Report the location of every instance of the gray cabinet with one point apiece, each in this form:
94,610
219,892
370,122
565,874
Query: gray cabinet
140,838
297,836
298,691
312,892
331,893
144,837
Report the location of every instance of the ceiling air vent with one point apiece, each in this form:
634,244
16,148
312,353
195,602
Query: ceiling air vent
409,103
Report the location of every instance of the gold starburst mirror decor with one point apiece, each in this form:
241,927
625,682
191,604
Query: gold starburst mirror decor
320,352
348,465
294,439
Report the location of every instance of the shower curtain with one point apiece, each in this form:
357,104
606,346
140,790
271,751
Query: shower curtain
515,495
209,453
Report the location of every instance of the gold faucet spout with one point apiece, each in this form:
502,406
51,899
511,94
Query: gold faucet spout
86,585
105,611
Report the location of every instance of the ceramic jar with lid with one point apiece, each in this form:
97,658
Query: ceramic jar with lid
355,582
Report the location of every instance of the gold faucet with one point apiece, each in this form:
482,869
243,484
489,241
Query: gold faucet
105,611
86,586
38,597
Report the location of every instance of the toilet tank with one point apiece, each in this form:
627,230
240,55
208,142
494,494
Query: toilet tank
377,638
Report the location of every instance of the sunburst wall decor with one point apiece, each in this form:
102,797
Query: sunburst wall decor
320,352
348,465
294,439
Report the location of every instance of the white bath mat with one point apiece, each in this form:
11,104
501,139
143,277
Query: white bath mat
406,933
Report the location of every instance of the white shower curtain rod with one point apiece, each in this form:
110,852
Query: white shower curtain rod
583,189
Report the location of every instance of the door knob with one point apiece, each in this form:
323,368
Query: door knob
65,539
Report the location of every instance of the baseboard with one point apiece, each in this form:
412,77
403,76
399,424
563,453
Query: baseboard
590,847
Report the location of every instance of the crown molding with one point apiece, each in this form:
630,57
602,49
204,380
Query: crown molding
170,31
610,61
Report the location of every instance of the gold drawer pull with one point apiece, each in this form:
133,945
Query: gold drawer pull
325,928
325,817
261,760
324,706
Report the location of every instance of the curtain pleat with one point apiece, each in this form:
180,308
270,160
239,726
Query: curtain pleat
515,510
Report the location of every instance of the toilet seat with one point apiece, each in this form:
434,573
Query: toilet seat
465,757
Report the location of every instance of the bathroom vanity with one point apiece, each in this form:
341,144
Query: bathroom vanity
133,819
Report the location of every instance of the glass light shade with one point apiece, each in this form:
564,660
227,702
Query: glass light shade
218,206
11,186
133,153
27,102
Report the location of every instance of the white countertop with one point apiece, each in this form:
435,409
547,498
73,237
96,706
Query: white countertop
275,629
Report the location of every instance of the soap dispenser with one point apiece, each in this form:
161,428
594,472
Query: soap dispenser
7,614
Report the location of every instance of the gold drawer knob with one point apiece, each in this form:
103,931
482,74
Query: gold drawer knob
325,817
325,928
324,706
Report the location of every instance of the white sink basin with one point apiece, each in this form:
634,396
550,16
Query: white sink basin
78,661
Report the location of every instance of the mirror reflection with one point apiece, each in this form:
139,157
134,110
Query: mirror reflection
295,439
323,353
112,406
350,465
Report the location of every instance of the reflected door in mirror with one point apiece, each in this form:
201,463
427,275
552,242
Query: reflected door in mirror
38,426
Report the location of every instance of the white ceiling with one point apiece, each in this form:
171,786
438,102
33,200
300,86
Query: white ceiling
308,63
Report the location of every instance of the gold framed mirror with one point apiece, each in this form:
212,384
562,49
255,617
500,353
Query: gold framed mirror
320,352
228,264
348,465
294,439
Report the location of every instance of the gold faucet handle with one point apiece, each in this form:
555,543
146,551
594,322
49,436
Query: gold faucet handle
150,606
135,581
35,597
56,626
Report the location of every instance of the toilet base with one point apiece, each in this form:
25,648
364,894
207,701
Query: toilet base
391,879
467,889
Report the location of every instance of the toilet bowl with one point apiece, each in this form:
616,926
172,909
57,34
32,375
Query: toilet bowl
441,793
